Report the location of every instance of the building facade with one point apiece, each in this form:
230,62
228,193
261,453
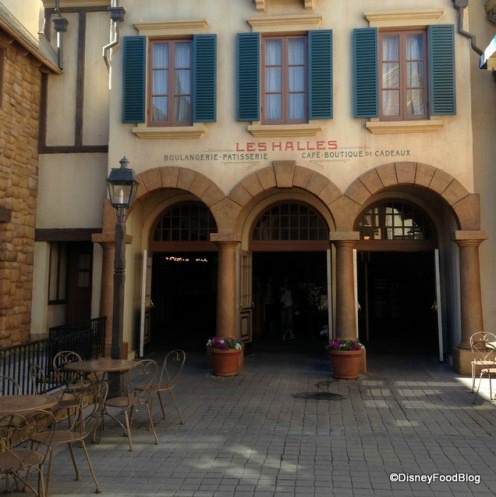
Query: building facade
343,146
24,57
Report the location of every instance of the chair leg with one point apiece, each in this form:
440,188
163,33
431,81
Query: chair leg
177,407
152,426
161,405
477,391
92,471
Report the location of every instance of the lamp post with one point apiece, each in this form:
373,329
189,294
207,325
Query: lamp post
122,186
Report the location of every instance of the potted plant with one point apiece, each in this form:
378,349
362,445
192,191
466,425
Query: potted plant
346,358
225,355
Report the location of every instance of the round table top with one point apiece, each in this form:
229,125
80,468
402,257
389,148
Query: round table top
12,404
101,365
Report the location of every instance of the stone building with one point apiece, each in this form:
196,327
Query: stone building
24,58
345,146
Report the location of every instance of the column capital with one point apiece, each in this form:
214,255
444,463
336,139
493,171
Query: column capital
344,236
467,238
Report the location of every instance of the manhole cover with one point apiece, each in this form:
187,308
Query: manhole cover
318,396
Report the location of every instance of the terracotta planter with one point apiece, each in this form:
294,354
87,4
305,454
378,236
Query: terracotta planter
225,362
345,364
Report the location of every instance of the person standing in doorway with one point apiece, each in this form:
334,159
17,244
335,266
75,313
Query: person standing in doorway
287,305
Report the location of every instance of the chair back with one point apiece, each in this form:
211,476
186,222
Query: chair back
483,346
60,359
172,367
142,378
38,379
9,386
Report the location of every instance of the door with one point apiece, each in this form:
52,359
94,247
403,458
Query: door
245,296
80,264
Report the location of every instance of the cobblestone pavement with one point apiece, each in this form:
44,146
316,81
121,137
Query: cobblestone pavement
285,427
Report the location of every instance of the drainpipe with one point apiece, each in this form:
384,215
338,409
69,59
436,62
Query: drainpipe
460,5
60,26
116,16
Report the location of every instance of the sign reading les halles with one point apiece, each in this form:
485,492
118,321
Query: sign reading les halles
326,150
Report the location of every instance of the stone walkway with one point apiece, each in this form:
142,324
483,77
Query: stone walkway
285,427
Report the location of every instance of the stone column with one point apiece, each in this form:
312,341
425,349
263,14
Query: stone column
226,285
107,287
470,295
346,323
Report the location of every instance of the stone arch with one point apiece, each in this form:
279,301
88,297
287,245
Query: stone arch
283,175
190,181
464,205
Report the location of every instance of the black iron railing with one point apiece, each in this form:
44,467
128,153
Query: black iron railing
87,339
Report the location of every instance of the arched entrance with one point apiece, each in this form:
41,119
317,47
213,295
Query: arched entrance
183,277
289,243
396,277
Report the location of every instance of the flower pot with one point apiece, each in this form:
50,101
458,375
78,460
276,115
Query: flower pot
345,364
225,362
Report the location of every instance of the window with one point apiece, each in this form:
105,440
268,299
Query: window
170,80
189,222
58,273
290,221
182,82
404,75
395,220
292,73
284,81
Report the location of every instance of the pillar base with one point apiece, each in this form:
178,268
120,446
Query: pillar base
462,358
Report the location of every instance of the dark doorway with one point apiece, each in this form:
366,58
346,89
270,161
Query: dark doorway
307,276
79,282
184,292
397,293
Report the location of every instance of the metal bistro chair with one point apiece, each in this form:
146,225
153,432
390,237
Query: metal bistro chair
67,401
72,381
172,367
84,423
483,347
137,394
17,457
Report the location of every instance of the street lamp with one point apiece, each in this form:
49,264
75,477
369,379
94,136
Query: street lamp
122,186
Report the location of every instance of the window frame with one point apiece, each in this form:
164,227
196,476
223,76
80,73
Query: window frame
284,91
171,84
403,88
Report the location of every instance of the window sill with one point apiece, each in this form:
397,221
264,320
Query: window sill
284,130
166,133
392,127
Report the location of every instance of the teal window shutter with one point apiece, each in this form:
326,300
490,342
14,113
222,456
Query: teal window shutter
442,90
248,76
204,77
134,67
365,77
320,74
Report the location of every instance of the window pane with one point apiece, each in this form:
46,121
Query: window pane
183,82
159,109
415,102
415,47
390,103
296,52
183,107
296,79
161,56
273,53
390,48
390,75
273,107
273,79
415,75
183,55
160,82
296,106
